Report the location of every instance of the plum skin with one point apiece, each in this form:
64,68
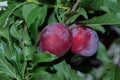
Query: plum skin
55,38
85,41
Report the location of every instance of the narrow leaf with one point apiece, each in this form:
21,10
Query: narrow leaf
102,54
106,19
44,57
27,12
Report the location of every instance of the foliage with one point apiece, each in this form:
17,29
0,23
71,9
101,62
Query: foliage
21,22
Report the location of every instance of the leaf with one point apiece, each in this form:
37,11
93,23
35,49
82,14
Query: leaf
43,76
111,72
34,13
40,18
28,52
34,34
106,5
60,15
97,27
3,17
2,46
63,70
14,32
5,33
42,15
57,77
114,51
11,55
106,19
113,6
29,13
86,3
16,58
52,18
5,66
82,12
5,50
75,76
79,12
5,77
18,12
20,34
32,16
102,54
98,4
44,57
26,38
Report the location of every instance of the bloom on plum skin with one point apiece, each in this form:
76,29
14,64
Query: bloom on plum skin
55,38
85,41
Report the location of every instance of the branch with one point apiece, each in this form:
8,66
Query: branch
75,6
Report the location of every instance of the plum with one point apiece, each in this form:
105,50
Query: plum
85,41
55,38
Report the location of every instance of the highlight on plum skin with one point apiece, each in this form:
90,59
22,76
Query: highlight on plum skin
55,38
85,41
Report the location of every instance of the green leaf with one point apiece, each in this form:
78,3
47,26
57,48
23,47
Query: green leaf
63,70
57,77
82,12
52,18
106,19
43,76
26,37
15,33
20,34
28,52
86,3
39,20
102,54
97,4
113,6
5,77
60,15
14,56
3,17
5,66
34,34
106,5
5,50
75,76
42,15
5,33
18,12
97,27
79,12
32,16
111,72
34,13
44,57
29,13
2,46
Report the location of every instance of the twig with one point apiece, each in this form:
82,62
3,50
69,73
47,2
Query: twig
75,6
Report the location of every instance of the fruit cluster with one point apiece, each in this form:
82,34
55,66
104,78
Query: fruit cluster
57,39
